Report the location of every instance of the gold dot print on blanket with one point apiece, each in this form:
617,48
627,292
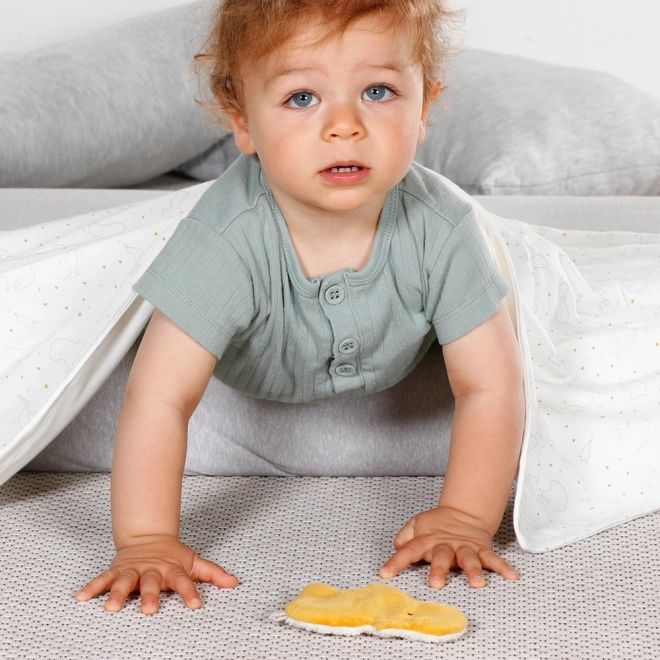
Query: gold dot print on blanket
592,317
585,307
70,314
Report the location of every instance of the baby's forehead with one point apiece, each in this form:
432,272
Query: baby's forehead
313,51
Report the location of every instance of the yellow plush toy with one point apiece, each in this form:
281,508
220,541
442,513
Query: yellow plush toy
378,609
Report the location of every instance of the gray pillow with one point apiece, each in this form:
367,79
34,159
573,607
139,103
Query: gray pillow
213,162
515,126
111,109
508,125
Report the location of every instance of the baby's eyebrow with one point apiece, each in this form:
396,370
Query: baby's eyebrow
391,66
287,71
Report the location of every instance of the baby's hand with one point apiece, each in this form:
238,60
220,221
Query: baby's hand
154,564
447,539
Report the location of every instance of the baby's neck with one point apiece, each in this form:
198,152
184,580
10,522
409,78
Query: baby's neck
328,240
321,257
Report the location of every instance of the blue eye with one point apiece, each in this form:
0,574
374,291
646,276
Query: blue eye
302,100
377,93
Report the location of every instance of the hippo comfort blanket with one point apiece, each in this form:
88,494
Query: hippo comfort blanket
585,306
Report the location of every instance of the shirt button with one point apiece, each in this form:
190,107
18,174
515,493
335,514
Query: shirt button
349,346
345,369
334,295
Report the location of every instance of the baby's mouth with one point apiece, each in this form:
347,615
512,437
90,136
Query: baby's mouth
352,168
345,173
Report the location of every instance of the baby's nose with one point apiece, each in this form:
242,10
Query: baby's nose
344,122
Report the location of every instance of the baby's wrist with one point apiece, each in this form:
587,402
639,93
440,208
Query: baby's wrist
141,539
488,525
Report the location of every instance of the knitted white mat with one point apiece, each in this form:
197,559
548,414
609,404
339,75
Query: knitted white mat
596,598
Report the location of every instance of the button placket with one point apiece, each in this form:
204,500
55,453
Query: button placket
343,368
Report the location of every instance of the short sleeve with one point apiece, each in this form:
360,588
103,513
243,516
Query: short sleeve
200,282
465,285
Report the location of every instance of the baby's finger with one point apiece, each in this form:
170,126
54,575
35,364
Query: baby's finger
207,571
493,561
100,584
185,587
150,582
443,556
468,560
124,585
406,534
409,553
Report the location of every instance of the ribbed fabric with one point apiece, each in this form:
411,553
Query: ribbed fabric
229,276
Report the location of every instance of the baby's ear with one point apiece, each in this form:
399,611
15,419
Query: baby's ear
241,132
426,106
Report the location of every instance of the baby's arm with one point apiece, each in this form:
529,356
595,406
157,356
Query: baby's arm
485,374
168,379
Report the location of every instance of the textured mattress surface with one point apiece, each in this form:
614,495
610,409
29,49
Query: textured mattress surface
598,598
22,207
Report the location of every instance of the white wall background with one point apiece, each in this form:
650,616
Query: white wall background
620,38
27,24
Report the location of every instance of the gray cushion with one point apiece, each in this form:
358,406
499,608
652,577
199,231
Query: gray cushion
210,164
403,430
508,125
109,109
515,126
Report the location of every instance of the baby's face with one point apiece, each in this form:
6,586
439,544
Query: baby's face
355,102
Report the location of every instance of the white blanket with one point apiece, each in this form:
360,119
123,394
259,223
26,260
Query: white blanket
585,306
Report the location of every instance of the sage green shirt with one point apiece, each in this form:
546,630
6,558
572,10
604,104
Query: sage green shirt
229,276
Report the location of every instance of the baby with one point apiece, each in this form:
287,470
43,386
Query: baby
322,264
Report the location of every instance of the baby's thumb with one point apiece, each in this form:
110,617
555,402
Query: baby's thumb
406,533
207,571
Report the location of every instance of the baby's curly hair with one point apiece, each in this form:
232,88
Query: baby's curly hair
244,31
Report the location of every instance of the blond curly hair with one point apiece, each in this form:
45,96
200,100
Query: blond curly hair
244,31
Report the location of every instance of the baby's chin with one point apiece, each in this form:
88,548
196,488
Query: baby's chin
322,197
351,201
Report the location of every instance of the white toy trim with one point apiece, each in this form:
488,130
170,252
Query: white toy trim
281,617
